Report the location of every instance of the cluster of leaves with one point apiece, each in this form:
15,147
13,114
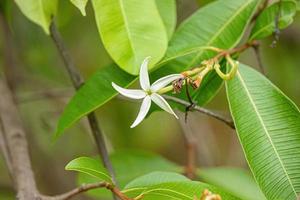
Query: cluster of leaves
267,122
157,178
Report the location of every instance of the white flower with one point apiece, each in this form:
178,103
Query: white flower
148,93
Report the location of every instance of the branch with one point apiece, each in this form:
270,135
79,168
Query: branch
85,188
76,191
256,49
202,110
191,147
4,150
260,9
17,146
77,81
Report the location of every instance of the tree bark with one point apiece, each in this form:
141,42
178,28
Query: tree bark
17,146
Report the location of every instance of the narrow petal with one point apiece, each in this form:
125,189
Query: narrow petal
144,77
162,103
143,111
164,81
133,94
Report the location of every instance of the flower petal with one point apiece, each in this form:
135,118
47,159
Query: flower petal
143,111
144,77
162,103
164,81
133,94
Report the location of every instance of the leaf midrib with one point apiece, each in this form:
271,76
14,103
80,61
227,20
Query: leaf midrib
265,129
127,30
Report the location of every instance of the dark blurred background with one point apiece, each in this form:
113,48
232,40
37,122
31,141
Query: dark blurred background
43,89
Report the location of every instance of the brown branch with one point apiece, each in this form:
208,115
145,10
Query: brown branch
191,147
236,50
256,49
210,113
85,188
4,150
76,191
17,146
77,81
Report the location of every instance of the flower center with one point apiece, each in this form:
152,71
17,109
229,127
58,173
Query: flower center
148,92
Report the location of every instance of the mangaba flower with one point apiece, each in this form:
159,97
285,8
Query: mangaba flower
148,92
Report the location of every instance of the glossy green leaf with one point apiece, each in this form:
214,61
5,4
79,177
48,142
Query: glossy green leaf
265,23
155,178
94,93
131,30
236,181
220,24
176,190
38,11
80,4
268,126
90,167
167,11
129,165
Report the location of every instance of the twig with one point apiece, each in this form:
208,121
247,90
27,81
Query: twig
191,147
44,95
256,49
77,81
202,110
260,9
277,30
85,188
76,191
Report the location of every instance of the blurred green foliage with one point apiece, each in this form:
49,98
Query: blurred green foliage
40,71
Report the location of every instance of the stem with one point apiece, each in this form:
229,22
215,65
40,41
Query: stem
258,58
202,110
191,147
261,8
203,70
85,188
77,81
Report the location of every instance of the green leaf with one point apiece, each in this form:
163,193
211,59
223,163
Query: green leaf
220,24
129,165
167,11
90,167
131,30
176,190
268,126
80,4
232,180
265,23
38,11
155,178
94,93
